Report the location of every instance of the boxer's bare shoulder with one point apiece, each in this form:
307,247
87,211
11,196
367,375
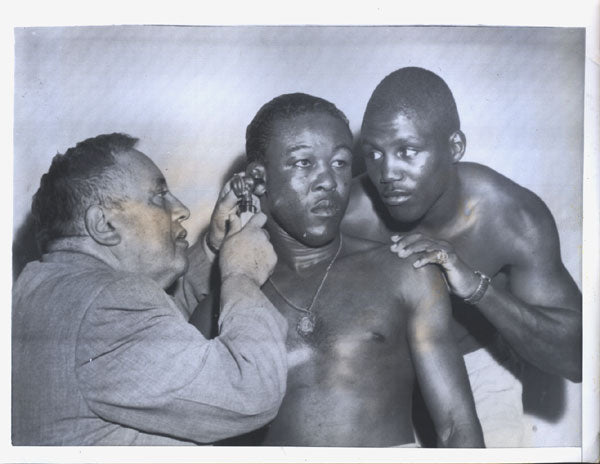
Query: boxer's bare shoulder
513,219
400,278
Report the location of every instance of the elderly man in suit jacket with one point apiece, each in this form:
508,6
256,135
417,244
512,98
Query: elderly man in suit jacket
102,355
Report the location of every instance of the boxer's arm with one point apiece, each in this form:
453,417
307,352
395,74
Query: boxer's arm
540,312
439,366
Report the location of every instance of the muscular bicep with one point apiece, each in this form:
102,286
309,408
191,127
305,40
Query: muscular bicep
537,273
438,363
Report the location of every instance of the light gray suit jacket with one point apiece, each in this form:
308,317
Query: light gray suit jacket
107,358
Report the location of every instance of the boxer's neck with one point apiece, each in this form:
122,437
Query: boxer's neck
297,256
444,211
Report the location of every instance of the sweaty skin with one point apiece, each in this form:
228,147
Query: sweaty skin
506,232
381,324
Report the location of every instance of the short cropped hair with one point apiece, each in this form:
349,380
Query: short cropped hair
83,176
417,91
284,107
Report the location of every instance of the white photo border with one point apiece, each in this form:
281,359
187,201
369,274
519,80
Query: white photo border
514,13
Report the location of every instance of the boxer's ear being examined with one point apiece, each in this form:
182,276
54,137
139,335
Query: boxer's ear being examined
258,172
99,227
458,145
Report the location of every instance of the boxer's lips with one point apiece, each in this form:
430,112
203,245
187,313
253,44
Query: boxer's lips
396,196
325,208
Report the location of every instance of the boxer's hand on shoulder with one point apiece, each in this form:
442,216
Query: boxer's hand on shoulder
461,279
247,251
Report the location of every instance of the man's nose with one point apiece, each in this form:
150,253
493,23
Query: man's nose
392,169
325,180
179,210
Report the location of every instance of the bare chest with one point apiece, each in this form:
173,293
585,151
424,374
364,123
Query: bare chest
353,315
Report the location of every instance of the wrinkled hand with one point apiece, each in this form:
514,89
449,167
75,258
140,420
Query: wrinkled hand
461,279
225,208
247,251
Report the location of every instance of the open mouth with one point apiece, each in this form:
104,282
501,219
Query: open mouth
325,208
396,197
180,237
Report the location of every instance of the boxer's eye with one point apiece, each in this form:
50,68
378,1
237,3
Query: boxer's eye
408,152
302,163
373,154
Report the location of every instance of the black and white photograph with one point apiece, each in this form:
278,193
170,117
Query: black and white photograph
314,237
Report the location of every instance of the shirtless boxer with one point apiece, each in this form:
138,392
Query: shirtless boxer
363,324
470,222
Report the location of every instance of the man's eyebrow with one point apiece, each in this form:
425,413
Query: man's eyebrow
398,141
294,148
343,146
364,142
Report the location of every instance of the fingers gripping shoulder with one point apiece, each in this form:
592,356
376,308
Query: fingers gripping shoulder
420,288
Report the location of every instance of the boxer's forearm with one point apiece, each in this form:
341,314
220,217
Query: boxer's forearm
439,366
467,435
547,337
464,436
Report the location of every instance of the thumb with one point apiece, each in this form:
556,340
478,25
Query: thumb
235,224
257,220
229,201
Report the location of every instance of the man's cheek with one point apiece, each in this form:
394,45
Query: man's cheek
283,204
373,173
343,188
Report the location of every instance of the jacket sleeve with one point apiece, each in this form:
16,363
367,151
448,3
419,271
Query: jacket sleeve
140,364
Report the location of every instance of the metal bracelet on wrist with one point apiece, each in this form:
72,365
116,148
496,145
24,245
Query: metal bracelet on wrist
477,295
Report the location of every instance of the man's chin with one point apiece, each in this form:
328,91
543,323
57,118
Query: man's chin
178,269
180,266
316,240
404,215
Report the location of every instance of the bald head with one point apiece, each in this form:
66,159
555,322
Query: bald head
417,93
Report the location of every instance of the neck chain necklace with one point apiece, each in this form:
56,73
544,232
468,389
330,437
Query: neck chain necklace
306,324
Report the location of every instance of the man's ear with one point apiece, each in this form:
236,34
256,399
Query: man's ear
258,172
97,223
458,145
